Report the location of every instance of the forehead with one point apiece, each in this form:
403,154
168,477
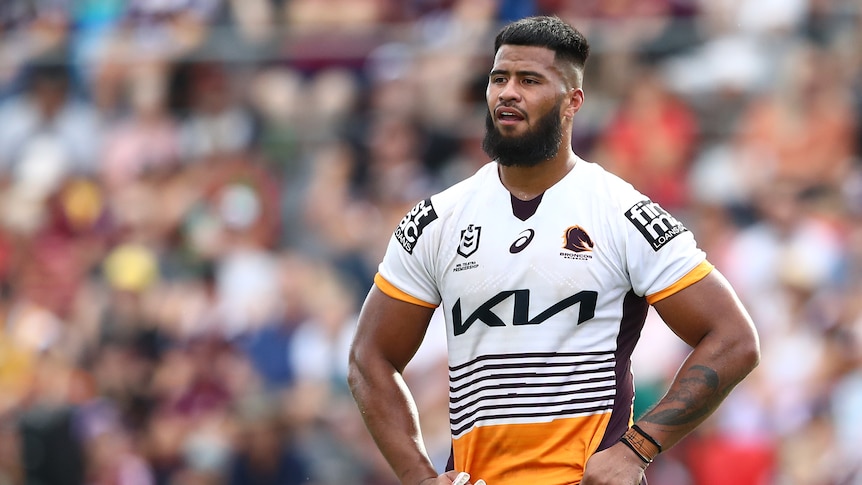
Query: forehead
525,58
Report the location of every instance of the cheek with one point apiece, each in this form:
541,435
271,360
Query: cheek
558,106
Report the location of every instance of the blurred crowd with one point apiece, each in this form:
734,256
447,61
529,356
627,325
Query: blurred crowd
194,196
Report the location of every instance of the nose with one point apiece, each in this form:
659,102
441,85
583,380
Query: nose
509,92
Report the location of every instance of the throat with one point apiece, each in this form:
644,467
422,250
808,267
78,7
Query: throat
524,209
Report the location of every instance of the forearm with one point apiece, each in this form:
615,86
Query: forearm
389,412
706,377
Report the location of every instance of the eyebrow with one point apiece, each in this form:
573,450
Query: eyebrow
504,72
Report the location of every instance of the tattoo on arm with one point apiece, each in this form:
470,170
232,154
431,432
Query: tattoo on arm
695,396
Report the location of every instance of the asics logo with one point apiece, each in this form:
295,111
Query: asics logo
523,240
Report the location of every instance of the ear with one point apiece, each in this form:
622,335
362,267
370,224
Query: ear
575,101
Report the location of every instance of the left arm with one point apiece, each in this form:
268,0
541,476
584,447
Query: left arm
710,318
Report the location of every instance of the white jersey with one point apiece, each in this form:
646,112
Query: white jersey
542,314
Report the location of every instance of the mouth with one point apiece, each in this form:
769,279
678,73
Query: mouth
508,116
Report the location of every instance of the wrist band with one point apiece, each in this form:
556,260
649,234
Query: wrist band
635,450
648,437
644,445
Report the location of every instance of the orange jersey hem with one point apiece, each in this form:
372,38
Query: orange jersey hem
549,452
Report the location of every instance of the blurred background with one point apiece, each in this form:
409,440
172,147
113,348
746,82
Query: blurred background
194,196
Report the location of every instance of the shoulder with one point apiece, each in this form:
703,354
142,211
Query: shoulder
444,203
608,189
427,214
453,196
628,210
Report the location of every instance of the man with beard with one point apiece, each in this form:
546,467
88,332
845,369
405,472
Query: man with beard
544,266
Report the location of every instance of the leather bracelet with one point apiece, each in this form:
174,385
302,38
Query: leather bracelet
643,458
648,437
644,445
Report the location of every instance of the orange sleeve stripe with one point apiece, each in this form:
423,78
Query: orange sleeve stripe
390,290
692,277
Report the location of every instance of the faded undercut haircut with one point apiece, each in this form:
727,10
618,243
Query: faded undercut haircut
568,44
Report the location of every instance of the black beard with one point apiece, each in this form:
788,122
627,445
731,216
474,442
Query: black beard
537,145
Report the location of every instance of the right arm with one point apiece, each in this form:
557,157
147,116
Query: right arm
388,334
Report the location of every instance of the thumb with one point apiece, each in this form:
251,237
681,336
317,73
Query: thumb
462,478
451,475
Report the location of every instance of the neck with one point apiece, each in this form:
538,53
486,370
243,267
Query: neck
527,183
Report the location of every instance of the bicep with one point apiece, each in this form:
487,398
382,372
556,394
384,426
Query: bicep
706,306
389,329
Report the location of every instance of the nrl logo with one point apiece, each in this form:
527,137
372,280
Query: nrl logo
469,240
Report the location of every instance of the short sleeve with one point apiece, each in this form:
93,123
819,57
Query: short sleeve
662,255
406,272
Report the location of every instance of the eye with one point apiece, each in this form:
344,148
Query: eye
530,81
498,79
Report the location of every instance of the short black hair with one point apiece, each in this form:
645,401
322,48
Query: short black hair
550,32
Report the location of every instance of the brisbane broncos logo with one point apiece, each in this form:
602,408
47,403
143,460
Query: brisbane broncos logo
576,239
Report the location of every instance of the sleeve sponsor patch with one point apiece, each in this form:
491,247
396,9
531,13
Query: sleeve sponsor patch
657,226
412,225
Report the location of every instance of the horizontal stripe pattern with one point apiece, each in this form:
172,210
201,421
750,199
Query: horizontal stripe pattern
529,388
